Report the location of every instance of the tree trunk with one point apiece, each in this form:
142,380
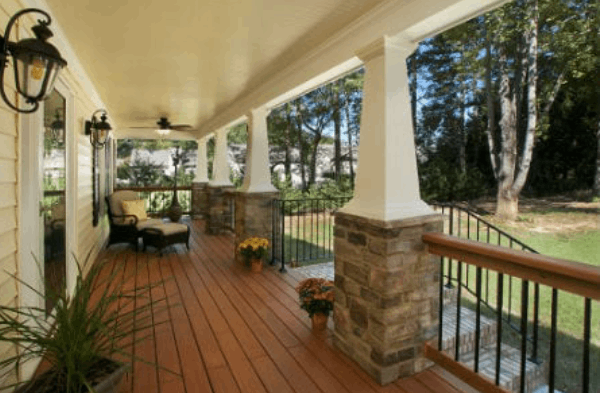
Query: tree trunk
301,146
312,174
337,126
462,143
350,147
507,202
288,141
597,176
491,108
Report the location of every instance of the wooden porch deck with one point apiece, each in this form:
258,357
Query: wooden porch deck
229,330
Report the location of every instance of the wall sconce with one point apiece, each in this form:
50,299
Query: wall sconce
36,63
56,128
99,131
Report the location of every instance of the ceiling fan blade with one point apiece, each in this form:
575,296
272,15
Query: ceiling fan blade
181,127
144,128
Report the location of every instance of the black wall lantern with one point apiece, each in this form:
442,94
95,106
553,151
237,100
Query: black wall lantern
36,63
99,131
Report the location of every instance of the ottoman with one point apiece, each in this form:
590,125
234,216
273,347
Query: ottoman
163,235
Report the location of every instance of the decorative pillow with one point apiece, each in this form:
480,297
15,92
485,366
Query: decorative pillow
135,208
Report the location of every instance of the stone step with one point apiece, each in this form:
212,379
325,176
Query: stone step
510,364
467,330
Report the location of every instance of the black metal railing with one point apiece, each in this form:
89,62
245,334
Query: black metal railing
229,212
159,199
554,276
303,230
466,224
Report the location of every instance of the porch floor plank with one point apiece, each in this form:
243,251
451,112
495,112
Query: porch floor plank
221,328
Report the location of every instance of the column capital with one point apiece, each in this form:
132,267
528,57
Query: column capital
377,48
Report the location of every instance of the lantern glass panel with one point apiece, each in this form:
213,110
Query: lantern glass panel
30,74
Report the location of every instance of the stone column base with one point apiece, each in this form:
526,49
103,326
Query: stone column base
387,293
218,208
253,217
199,200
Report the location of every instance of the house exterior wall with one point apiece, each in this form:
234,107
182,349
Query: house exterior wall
88,240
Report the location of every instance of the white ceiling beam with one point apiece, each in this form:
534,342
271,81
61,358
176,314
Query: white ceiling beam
415,20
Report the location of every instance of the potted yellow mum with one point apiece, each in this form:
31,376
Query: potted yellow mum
254,249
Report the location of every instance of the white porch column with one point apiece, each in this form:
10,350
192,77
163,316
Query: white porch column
258,174
202,162
385,280
387,183
220,163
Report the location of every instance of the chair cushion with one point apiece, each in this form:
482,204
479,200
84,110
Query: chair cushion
135,208
116,199
151,222
171,228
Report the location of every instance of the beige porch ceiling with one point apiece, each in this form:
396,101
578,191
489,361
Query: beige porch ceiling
186,58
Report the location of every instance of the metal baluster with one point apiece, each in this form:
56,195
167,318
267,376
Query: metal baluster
524,305
297,231
552,365
500,294
312,227
458,298
478,317
318,225
536,312
587,325
282,270
441,305
304,231
468,237
449,282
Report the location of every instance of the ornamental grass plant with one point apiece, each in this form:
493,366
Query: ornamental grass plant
254,248
87,335
316,296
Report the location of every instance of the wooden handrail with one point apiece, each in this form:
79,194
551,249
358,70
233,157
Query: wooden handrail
570,276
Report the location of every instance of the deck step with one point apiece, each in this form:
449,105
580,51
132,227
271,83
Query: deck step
510,362
467,330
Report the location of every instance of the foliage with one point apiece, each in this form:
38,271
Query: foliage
316,295
141,173
88,327
254,248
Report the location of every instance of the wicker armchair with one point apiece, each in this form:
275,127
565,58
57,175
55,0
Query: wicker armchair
125,228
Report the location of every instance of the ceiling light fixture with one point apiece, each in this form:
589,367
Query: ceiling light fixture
36,63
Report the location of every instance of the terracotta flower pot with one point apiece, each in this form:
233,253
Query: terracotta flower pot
319,322
256,265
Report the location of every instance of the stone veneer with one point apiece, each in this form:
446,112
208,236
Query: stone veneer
200,200
218,208
387,293
253,217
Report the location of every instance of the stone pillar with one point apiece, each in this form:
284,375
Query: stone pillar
199,200
219,209
254,217
219,188
386,282
387,293
254,202
199,190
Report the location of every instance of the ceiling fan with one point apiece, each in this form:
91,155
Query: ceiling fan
165,126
